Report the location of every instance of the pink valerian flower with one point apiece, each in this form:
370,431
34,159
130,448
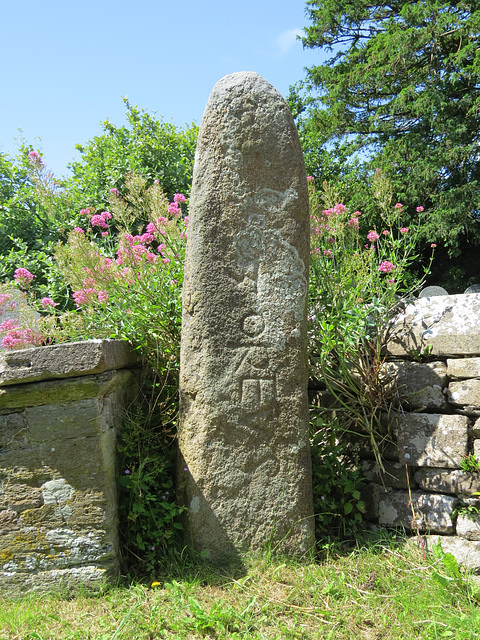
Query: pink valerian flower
399,205
372,236
179,197
8,325
98,221
84,212
48,302
174,209
102,296
385,232
161,247
420,209
433,245
339,208
404,230
185,220
146,238
310,179
18,338
114,192
34,158
327,253
104,234
151,228
386,266
353,222
166,260
23,277
79,230
84,296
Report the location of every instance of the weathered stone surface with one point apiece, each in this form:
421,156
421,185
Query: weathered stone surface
371,494
394,475
243,382
58,502
433,512
420,385
61,391
466,552
65,360
476,428
460,368
446,324
432,440
468,527
444,481
62,581
465,393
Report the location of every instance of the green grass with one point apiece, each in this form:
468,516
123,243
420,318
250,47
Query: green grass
379,591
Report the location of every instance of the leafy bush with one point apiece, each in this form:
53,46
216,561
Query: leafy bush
146,146
356,284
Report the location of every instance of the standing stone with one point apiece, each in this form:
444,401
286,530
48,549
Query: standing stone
245,459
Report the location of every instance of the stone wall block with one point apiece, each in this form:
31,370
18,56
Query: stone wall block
58,500
433,512
432,440
419,385
444,325
393,476
465,394
461,368
456,482
468,527
371,494
65,361
467,552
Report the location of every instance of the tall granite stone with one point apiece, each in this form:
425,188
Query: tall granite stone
245,462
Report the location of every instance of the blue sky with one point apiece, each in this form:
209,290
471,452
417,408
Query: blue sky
67,65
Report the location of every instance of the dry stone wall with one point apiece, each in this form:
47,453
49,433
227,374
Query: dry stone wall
60,408
438,425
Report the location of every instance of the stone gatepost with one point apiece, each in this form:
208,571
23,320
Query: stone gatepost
245,460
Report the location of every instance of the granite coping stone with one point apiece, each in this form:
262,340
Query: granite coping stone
444,325
67,360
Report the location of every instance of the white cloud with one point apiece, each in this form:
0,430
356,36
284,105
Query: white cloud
287,39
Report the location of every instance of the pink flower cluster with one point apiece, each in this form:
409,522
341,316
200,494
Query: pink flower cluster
34,158
48,302
132,249
23,277
100,219
372,236
174,207
18,337
386,266
89,296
